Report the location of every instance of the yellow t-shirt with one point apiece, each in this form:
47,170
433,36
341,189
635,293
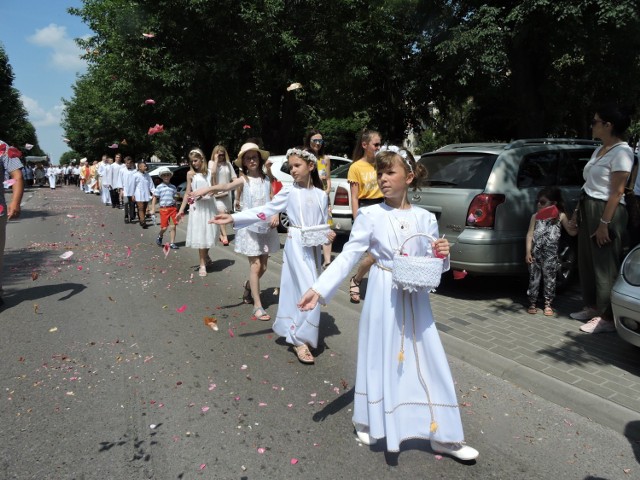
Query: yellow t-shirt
364,174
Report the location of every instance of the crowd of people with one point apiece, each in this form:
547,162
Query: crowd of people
404,388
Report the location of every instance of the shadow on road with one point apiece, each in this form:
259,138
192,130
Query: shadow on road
36,293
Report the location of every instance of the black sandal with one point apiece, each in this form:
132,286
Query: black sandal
354,290
246,295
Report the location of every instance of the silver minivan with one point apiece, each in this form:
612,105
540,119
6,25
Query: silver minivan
484,194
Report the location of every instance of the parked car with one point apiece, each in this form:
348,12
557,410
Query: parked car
484,194
625,298
280,170
179,174
340,201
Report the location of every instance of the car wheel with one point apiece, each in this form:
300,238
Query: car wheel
283,226
568,262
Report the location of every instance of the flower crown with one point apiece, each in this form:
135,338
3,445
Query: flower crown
308,156
399,151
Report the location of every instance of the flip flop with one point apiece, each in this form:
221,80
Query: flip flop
548,311
304,354
260,314
532,310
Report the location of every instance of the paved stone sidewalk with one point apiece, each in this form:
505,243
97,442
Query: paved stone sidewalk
487,316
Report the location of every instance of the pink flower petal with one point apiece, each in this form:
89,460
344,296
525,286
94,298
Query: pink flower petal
231,334
166,249
294,461
79,267
204,409
261,450
262,404
181,309
148,35
149,101
212,386
128,252
203,466
243,367
71,216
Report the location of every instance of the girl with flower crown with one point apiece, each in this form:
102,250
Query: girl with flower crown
404,389
306,205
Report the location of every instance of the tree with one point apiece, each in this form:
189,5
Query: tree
15,127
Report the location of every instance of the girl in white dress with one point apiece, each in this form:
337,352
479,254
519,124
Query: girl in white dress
223,173
307,207
259,240
404,389
200,234
142,191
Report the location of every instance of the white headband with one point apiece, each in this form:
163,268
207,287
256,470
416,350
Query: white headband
399,151
308,156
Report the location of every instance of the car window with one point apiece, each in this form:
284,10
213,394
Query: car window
341,172
458,170
284,168
539,169
571,167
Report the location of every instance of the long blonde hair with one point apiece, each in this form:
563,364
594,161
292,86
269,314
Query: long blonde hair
217,149
195,153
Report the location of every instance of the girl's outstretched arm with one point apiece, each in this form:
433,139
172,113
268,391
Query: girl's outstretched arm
222,219
309,300
223,187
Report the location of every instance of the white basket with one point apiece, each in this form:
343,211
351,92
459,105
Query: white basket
314,235
416,273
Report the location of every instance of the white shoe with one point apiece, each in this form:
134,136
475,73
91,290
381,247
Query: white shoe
584,314
365,438
461,452
598,325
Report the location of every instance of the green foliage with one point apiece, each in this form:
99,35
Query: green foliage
15,127
531,68
68,157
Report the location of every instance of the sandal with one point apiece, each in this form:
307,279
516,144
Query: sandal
304,354
354,290
260,314
532,310
325,265
246,295
548,311
202,271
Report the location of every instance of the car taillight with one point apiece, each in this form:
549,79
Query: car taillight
342,197
482,211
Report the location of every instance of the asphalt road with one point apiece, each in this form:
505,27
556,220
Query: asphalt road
108,372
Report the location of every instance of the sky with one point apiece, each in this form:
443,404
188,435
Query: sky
38,37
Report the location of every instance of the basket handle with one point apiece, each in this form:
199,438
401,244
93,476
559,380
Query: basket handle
431,237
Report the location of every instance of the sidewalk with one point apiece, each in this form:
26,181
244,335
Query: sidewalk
483,323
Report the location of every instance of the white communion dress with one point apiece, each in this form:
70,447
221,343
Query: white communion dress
200,233
300,264
259,238
398,398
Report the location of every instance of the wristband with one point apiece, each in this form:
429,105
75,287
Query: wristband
604,222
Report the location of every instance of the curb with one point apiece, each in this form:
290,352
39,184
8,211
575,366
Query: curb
593,407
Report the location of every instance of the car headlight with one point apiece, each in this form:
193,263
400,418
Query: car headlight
631,268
